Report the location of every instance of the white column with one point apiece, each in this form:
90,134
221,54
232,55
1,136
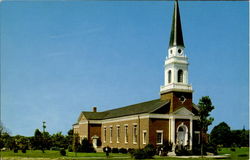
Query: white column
173,130
191,133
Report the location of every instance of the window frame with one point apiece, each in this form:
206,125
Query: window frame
159,132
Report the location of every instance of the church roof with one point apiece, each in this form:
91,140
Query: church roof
144,107
176,38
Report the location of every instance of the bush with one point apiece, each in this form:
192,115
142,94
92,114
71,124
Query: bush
150,150
139,154
15,150
55,148
108,149
180,150
70,149
165,148
147,153
115,150
86,146
24,150
123,150
232,149
62,152
131,150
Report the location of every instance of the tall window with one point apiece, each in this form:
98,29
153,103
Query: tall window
105,134
135,134
126,133
144,136
169,76
159,137
118,134
111,134
180,75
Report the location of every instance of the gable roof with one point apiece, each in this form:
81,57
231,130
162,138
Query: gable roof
144,107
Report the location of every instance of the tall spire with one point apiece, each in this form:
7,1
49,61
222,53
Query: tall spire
176,38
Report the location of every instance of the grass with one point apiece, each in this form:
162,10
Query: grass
238,154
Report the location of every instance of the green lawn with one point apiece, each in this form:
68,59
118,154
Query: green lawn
239,154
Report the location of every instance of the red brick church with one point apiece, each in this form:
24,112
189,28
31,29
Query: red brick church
172,117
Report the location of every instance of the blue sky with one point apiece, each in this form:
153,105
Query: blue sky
59,58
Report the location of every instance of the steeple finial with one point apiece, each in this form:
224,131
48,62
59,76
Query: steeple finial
176,38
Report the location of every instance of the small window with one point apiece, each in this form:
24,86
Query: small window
169,76
135,134
180,76
118,134
159,137
111,134
126,134
144,136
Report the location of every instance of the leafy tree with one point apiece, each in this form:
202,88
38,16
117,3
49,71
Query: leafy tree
21,142
86,146
76,143
59,141
205,107
221,135
37,141
69,139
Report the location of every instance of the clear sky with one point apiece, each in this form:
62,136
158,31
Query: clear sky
59,58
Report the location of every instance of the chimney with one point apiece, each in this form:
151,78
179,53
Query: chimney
94,109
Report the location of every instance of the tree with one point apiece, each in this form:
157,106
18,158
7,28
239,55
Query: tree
221,135
37,140
69,139
205,107
59,141
76,143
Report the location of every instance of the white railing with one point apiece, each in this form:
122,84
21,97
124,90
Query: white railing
176,86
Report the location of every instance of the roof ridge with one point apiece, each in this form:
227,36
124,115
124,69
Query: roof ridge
131,105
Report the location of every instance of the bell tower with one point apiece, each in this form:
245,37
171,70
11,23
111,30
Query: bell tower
176,87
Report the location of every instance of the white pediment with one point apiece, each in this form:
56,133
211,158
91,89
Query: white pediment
183,111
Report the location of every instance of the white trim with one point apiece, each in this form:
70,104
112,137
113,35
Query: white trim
186,133
191,134
141,116
76,126
104,134
159,131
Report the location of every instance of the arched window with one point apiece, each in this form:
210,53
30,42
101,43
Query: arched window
169,76
180,76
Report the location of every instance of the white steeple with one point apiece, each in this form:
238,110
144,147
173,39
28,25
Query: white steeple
176,63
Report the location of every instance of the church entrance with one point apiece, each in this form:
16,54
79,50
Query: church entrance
182,135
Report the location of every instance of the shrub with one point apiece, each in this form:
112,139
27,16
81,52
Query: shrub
115,150
139,154
146,153
123,150
62,152
55,148
165,148
181,150
15,150
24,150
131,150
232,149
108,149
86,146
150,150
70,149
